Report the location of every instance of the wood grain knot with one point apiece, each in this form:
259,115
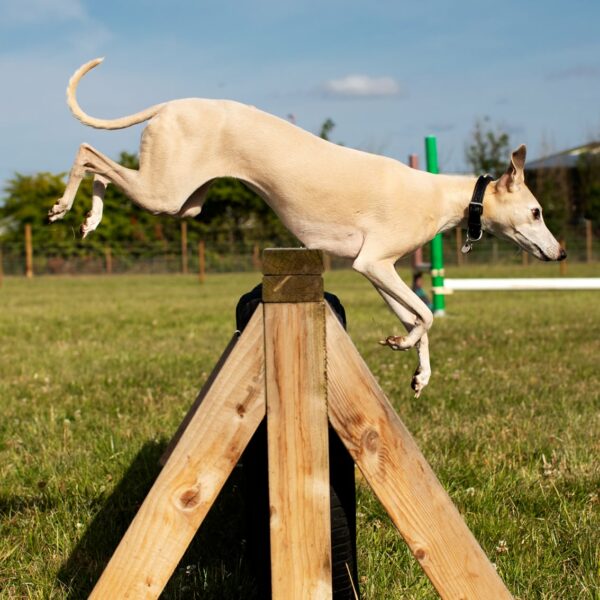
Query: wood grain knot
240,409
190,498
420,554
370,440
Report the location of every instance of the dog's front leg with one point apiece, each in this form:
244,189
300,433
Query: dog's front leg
409,320
382,274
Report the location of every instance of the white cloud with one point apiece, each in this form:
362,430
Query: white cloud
362,86
24,12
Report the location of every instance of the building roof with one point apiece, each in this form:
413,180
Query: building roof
566,159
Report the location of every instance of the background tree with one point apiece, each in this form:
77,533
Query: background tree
326,129
488,150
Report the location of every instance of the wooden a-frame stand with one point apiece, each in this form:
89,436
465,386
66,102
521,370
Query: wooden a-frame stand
295,364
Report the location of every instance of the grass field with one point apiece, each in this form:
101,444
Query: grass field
96,373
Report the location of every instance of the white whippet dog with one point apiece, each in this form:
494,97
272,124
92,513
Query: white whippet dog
352,204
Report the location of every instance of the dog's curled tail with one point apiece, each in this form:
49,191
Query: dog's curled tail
120,123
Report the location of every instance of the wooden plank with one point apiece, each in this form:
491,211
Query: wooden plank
292,261
292,288
193,476
402,479
298,451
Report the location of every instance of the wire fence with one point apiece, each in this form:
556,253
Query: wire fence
217,256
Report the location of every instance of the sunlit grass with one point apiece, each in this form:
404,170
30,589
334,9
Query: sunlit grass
96,373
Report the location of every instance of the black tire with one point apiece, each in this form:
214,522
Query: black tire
256,489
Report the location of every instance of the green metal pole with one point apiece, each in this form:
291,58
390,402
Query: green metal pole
437,250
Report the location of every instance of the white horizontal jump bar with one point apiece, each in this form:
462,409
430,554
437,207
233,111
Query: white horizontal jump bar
541,283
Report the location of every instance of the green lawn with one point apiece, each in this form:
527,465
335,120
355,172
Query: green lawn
96,373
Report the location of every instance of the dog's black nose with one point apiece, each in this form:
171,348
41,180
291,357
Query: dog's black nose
562,254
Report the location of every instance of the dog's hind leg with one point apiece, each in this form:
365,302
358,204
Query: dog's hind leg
94,216
409,320
90,160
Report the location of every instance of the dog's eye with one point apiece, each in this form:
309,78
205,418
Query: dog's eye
537,213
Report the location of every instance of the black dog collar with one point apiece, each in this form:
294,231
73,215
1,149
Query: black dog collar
474,231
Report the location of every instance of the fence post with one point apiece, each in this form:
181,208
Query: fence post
562,265
108,260
588,240
28,252
184,258
201,262
256,257
524,258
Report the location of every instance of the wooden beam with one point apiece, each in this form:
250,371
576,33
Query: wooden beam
189,483
292,261
298,451
402,479
297,431
303,288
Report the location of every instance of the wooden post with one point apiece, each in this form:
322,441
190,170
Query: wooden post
256,257
562,265
184,255
297,425
108,260
201,261
326,261
28,252
588,240
524,258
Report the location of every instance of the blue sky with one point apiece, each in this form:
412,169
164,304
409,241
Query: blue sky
388,73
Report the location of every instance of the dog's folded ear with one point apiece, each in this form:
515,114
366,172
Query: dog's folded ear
514,175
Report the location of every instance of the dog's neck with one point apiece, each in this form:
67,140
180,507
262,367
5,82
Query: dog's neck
455,192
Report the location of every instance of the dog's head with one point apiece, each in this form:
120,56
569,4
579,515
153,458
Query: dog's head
512,212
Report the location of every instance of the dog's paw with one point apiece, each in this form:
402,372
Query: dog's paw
89,225
396,342
58,211
419,381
